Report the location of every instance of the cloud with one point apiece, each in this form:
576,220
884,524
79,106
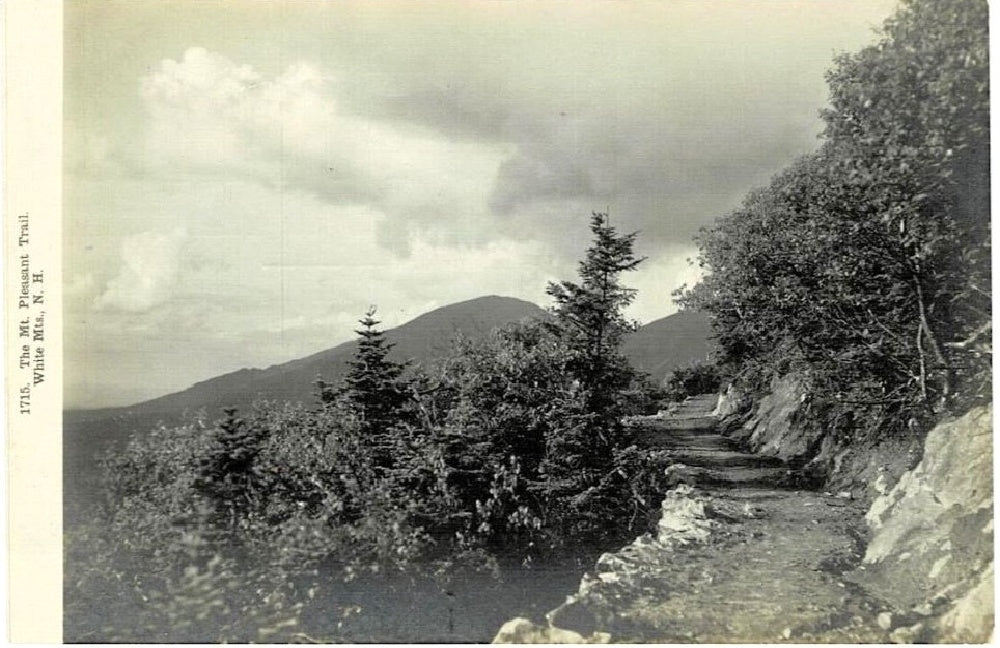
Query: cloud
150,267
657,278
211,115
665,112
474,141
525,179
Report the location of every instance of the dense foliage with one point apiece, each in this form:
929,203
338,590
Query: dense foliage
509,449
866,265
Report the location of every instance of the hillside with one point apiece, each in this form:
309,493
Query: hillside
418,340
665,344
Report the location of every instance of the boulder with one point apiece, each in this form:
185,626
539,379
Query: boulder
523,631
776,428
683,518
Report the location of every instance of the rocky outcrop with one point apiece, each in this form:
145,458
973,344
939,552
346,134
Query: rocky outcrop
782,424
930,556
774,429
523,631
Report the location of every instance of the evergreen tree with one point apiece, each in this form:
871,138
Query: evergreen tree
227,473
580,471
590,317
374,390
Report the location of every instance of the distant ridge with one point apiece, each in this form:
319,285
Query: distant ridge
420,339
678,340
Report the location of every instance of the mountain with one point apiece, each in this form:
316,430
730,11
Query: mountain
678,340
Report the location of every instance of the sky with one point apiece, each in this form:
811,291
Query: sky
243,179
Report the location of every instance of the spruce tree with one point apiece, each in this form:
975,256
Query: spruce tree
590,317
227,473
374,390
580,458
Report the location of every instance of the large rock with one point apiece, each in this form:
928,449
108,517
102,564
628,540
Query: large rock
777,425
931,552
777,428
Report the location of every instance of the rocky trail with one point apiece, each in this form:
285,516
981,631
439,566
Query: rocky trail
740,555
704,457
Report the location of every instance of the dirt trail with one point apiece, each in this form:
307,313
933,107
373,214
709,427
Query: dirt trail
769,569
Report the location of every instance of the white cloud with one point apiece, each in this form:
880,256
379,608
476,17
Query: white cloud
150,266
208,113
657,278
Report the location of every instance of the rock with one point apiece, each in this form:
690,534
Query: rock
885,620
881,485
681,474
523,631
683,518
956,470
560,636
573,615
775,428
781,425
938,565
931,549
907,635
609,577
970,619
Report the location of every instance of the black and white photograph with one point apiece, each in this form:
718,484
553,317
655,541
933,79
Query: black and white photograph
518,322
